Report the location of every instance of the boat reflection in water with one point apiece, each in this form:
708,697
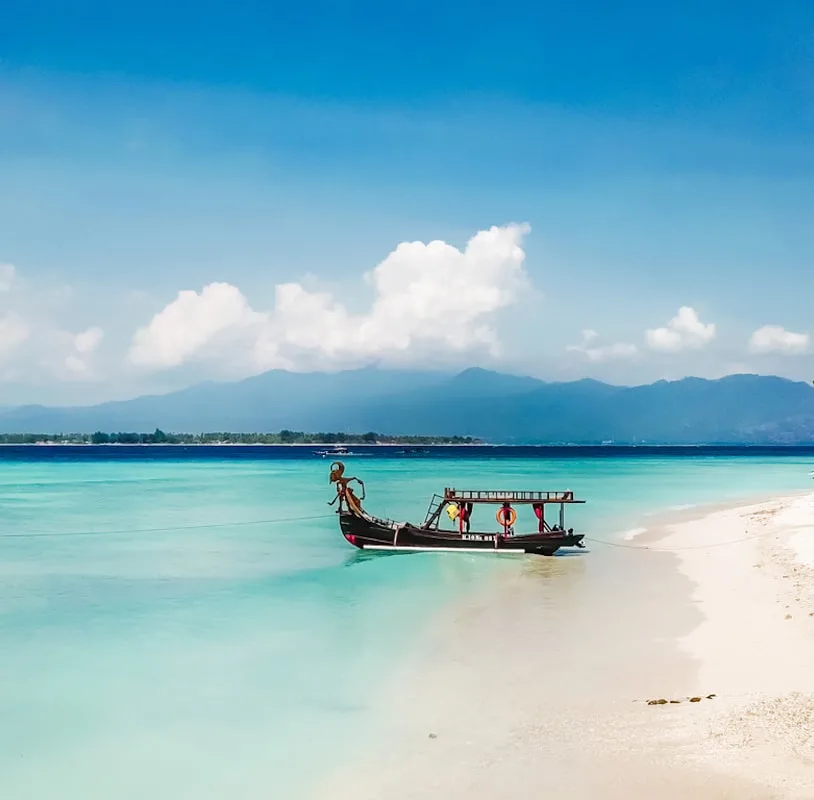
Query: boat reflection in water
367,532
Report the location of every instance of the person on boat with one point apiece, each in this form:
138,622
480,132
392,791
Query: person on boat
463,517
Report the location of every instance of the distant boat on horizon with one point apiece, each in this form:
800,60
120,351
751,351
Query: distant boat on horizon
339,450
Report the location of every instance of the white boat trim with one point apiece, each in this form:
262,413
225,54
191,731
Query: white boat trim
513,550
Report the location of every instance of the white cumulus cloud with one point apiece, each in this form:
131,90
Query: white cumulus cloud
78,363
683,332
776,339
595,352
427,297
88,341
189,323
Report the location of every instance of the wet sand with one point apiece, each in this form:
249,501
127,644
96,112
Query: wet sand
539,686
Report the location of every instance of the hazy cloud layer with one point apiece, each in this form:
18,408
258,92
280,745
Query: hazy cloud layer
593,351
7,274
34,346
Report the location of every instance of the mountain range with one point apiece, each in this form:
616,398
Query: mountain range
738,409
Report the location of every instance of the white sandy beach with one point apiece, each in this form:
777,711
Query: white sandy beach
540,687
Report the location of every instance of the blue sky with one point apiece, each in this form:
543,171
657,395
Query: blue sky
662,158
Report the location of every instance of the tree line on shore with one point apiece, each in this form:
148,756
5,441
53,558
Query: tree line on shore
282,437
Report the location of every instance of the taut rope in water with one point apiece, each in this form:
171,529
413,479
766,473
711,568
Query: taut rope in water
280,520
678,549
56,534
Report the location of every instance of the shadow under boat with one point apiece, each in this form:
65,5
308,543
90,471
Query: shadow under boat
360,556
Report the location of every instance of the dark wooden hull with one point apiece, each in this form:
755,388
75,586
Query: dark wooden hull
369,533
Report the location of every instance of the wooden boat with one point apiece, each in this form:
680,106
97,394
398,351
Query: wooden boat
367,532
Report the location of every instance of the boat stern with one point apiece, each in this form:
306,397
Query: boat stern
574,540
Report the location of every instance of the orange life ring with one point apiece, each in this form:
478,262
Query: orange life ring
512,517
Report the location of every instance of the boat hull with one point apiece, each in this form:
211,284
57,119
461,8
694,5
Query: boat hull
369,533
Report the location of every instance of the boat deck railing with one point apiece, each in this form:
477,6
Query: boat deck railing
480,496
383,521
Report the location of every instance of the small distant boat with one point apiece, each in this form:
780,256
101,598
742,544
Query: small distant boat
334,451
337,451
367,532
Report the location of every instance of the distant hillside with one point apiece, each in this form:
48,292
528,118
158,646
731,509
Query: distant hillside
739,409
269,402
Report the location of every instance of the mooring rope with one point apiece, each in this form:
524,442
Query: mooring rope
706,546
170,528
281,520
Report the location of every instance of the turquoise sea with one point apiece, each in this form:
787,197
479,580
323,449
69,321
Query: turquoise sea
166,633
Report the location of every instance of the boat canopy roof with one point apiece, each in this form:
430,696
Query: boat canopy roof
499,496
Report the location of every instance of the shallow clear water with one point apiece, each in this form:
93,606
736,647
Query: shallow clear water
229,657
